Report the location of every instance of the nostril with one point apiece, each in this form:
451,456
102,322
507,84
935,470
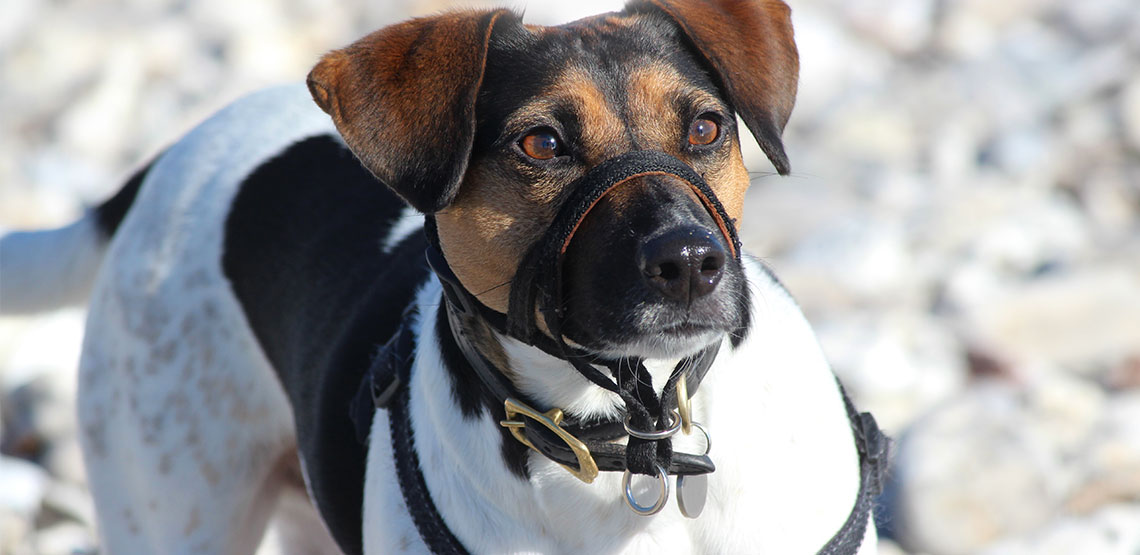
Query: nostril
711,265
682,264
668,271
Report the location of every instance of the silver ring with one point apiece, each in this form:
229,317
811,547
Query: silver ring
708,438
663,495
674,427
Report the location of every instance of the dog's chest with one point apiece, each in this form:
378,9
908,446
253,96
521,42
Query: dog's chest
786,478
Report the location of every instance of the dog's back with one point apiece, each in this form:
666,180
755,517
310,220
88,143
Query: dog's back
262,203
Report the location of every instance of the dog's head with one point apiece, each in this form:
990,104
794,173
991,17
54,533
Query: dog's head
485,122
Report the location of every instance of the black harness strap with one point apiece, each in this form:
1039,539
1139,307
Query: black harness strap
386,387
874,448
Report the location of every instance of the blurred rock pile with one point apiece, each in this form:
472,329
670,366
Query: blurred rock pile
962,227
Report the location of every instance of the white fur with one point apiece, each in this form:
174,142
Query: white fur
41,270
411,220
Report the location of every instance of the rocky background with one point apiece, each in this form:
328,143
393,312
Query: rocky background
963,229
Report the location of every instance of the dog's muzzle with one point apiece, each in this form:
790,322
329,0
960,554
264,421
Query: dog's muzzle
537,289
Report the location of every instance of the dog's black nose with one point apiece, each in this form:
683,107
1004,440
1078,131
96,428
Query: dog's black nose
684,264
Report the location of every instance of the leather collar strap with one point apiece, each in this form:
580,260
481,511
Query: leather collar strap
596,435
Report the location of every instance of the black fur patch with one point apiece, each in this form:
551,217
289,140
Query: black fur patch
473,397
110,214
302,251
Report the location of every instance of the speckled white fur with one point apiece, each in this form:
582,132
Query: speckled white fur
188,436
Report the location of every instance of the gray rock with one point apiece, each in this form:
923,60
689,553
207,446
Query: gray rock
1130,112
973,471
1020,468
1048,319
862,255
1113,529
895,365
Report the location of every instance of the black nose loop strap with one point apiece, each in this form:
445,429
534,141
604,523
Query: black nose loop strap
538,280
537,287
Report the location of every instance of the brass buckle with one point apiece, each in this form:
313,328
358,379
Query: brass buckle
587,469
684,405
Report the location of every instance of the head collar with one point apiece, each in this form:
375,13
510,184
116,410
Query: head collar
537,288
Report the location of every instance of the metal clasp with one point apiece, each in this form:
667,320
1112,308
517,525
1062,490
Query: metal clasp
587,469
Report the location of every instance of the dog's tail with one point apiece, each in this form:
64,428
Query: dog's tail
42,270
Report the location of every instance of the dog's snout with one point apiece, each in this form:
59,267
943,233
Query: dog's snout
682,264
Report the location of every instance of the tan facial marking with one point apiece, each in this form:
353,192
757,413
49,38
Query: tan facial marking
730,181
653,92
496,217
603,130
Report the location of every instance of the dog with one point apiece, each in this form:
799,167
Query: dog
477,287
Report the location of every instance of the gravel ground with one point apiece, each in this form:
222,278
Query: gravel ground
962,228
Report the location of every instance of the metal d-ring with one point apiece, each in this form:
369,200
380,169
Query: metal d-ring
674,427
662,496
708,438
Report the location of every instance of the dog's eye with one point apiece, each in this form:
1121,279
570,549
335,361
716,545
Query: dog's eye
541,144
703,131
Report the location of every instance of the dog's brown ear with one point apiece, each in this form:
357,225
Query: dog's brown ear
749,44
403,98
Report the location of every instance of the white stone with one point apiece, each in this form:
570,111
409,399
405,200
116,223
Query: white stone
93,126
825,77
1050,319
65,538
18,18
864,255
1114,529
71,502
22,486
969,473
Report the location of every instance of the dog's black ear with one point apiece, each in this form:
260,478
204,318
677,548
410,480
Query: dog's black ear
750,46
403,98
